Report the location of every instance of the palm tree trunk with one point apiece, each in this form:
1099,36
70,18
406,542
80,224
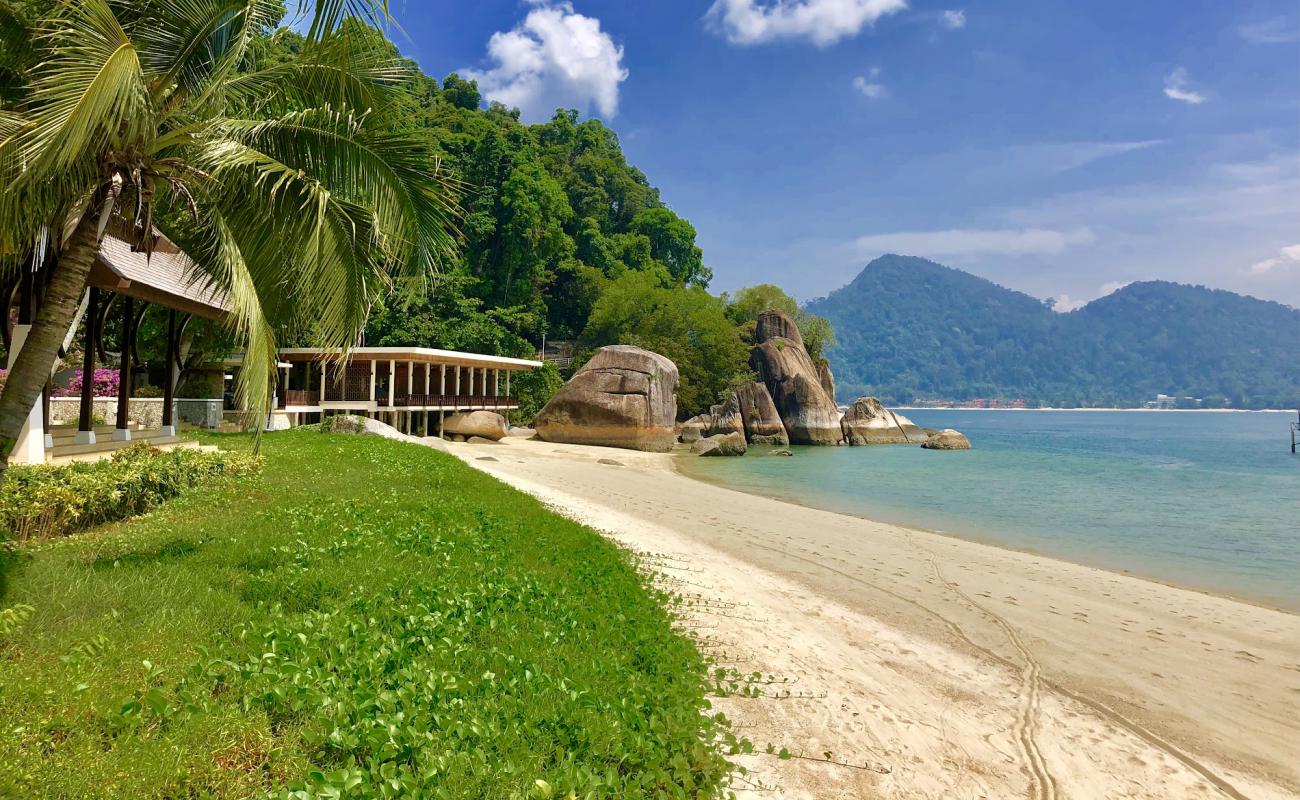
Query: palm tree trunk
32,367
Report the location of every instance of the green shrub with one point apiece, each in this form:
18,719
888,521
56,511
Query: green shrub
96,419
146,390
56,501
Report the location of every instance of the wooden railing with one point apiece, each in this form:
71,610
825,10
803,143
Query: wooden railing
302,397
407,401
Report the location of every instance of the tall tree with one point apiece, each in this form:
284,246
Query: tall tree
284,182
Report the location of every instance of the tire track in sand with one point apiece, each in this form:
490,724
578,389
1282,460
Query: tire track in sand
1042,783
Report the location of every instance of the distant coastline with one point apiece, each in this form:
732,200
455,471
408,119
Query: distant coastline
1144,410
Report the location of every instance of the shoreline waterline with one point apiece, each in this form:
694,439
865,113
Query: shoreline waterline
1203,501
680,457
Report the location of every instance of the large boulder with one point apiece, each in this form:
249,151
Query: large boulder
869,422
623,397
484,424
725,418
726,444
762,421
773,323
826,378
692,430
783,365
947,439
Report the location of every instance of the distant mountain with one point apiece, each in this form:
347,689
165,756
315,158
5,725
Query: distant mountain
909,328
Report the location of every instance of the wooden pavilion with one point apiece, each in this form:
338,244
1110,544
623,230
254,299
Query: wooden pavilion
409,387
138,282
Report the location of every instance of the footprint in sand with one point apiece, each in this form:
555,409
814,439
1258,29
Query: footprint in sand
1079,616
1246,655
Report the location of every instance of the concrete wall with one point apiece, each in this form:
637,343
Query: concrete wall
145,411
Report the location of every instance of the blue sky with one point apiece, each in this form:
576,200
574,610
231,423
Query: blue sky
1058,147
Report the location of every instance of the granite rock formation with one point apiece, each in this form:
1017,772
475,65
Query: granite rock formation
869,422
762,422
809,414
484,424
623,397
947,439
725,444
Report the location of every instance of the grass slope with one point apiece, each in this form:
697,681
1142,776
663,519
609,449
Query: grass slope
364,619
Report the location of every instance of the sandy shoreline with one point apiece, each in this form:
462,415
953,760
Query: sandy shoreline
928,666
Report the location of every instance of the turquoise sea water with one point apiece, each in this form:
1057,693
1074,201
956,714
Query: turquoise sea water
1205,500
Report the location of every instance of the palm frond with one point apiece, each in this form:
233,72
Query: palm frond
88,96
363,162
327,16
349,69
185,43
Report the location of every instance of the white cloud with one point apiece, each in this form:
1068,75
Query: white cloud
1064,304
869,85
954,19
968,242
554,58
1277,30
1176,88
1285,257
822,22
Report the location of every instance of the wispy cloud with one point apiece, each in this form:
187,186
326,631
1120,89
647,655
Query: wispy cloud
554,58
1276,30
969,242
1285,258
953,19
821,22
869,85
1176,88
1056,157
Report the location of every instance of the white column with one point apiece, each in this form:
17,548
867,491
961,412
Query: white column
442,379
392,381
496,383
372,380
428,381
507,383
31,438
410,376
457,402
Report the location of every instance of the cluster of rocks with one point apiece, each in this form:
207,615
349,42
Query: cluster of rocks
625,397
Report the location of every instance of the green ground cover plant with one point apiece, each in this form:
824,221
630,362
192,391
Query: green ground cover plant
363,618
42,501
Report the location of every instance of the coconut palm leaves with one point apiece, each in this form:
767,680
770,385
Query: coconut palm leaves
283,181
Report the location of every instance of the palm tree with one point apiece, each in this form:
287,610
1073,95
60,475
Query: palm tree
283,181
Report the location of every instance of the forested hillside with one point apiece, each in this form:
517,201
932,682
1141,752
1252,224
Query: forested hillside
560,238
910,329
550,215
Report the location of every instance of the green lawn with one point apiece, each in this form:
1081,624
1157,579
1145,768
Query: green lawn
363,619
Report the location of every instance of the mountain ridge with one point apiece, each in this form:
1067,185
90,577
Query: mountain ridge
909,328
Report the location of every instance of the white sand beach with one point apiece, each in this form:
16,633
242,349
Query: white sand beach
924,666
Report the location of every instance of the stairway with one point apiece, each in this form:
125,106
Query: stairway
66,449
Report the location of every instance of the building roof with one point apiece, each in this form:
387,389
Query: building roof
420,354
166,277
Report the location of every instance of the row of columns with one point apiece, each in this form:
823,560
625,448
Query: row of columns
35,437
479,378
131,319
